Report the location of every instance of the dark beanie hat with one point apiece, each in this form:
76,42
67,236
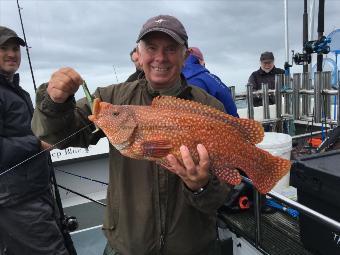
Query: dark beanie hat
267,56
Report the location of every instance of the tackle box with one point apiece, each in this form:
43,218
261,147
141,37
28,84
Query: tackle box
317,179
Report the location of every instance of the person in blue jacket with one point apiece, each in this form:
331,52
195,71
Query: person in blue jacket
196,74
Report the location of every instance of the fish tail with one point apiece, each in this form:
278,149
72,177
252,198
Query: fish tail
267,170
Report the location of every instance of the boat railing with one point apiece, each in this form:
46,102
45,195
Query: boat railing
291,204
298,98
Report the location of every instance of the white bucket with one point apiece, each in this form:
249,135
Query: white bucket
280,145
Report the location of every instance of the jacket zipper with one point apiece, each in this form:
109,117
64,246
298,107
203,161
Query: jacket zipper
161,242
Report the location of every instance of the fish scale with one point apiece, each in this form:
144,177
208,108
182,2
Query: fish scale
153,132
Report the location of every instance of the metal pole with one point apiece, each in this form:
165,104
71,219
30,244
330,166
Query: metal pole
301,208
250,102
305,210
305,86
326,77
286,99
305,33
286,30
265,101
278,96
311,30
257,212
338,101
321,19
317,96
296,97
232,91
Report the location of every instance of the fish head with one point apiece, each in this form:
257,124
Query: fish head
116,121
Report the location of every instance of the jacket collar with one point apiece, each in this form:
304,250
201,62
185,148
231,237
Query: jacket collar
14,83
184,91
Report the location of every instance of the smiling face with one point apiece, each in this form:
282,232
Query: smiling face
162,59
267,65
10,57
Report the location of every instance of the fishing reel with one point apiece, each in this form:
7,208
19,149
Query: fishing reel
301,58
320,46
70,223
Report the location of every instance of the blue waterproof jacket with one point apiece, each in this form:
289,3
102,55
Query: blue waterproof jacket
198,75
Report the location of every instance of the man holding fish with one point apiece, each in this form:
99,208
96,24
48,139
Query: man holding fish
150,210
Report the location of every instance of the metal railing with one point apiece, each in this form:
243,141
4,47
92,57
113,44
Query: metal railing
294,98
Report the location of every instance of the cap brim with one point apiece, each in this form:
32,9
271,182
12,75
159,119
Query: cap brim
164,30
19,40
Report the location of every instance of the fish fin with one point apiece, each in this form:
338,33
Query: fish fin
251,130
95,109
267,170
96,106
128,131
228,175
156,148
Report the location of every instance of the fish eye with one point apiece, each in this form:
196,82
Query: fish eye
115,113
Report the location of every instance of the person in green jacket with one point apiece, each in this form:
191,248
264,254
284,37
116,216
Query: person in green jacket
150,210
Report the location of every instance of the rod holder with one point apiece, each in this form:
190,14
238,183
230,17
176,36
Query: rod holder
326,82
265,101
317,96
306,85
296,96
287,97
278,95
232,91
250,101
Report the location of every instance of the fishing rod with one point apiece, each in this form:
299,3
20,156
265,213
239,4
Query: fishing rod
82,177
66,222
26,46
81,195
41,152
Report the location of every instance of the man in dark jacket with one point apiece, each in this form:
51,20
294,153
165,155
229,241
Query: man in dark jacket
150,210
27,219
196,74
265,74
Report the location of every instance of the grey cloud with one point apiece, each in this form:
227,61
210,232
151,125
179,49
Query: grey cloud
96,36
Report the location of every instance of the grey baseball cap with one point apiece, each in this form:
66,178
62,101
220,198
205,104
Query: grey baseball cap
6,34
267,56
166,24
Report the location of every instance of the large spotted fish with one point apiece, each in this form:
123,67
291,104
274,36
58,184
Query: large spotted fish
152,132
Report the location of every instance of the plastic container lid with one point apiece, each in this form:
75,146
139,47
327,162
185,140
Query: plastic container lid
273,140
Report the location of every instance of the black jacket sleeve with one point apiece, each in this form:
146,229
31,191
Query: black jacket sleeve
15,148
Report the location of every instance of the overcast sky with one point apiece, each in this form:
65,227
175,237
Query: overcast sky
95,37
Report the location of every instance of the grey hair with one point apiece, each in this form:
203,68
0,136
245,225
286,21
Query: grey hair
183,47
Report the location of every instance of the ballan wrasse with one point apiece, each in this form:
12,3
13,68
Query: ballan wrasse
152,132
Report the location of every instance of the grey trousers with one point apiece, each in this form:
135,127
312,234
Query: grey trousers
31,228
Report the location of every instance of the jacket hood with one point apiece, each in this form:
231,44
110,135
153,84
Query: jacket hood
192,67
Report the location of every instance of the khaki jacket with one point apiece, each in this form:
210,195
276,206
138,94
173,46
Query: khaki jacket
149,210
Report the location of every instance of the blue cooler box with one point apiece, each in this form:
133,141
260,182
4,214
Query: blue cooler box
317,179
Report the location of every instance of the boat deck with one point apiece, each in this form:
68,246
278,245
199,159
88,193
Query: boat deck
280,232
